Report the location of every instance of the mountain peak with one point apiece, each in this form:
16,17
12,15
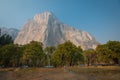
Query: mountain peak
44,17
47,13
46,28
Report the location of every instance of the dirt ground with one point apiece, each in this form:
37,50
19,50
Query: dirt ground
50,74
41,74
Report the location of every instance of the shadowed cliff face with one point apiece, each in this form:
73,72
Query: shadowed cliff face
46,28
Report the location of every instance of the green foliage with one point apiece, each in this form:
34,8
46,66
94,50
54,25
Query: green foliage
49,51
10,55
90,56
33,54
67,54
104,54
115,47
109,52
5,39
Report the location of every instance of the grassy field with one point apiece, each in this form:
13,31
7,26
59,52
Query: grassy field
98,73
70,73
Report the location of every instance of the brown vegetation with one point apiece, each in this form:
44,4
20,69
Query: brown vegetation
71,73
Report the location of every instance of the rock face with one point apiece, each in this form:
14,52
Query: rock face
10,31
46,28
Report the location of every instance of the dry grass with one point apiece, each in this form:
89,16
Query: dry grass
98,73
71,73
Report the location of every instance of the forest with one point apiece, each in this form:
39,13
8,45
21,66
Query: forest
66,54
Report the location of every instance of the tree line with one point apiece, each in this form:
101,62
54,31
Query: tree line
66,54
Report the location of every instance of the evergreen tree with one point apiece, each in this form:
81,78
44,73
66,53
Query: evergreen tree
5,39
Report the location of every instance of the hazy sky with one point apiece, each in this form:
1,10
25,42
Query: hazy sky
101,18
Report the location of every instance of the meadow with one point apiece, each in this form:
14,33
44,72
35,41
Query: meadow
68,73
